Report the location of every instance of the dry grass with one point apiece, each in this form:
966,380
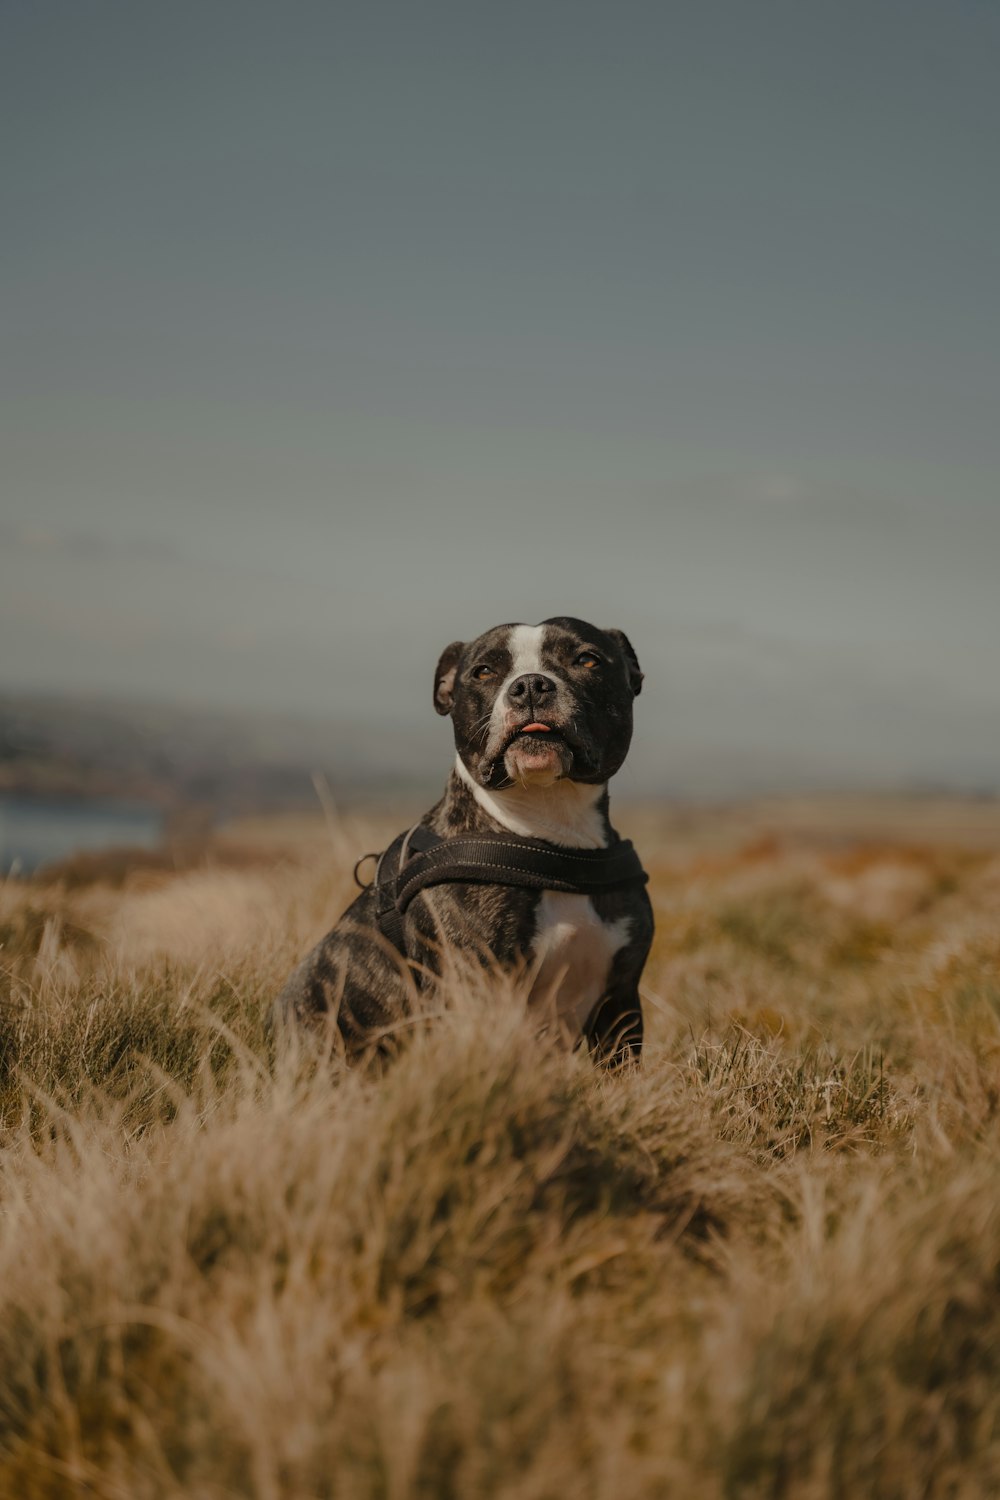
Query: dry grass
766,1264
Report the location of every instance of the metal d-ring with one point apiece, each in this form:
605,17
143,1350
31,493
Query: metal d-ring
366,885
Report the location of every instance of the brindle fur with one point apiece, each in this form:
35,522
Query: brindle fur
354,975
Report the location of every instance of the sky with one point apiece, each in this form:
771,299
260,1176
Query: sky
332,332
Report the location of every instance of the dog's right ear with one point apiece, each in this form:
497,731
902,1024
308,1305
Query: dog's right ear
444,677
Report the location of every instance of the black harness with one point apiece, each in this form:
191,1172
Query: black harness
420,857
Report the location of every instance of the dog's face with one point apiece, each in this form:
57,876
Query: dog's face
533,703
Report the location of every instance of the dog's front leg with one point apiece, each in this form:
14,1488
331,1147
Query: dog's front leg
614,1029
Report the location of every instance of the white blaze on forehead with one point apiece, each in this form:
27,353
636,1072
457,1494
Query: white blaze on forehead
525,646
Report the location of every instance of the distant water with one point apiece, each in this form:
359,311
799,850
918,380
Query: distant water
35,831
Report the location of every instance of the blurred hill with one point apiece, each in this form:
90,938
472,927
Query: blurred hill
174,756
235,762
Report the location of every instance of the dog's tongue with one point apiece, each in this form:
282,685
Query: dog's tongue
544,728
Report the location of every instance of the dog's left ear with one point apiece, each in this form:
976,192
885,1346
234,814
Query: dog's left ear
444,677
631,660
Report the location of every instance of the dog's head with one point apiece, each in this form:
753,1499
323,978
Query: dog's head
533,703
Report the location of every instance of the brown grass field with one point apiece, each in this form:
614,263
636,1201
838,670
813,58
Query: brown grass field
765,1264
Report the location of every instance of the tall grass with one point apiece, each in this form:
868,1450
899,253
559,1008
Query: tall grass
766,1263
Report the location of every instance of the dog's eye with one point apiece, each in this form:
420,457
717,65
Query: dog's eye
483,672
587,659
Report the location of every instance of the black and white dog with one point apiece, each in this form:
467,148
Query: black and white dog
542,716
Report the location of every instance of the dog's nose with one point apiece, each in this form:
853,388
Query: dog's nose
530,690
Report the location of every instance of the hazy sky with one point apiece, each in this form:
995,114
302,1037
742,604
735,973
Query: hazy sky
331,332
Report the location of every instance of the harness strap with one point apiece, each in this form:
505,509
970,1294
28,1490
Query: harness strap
420,858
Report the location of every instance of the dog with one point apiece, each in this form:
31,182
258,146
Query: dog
529,872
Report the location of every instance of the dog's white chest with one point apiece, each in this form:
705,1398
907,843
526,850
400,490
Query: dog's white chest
573,950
